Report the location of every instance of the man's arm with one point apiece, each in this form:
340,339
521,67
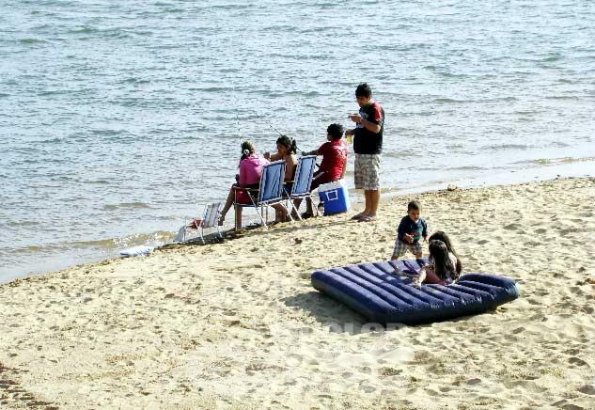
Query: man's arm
370,126
313,152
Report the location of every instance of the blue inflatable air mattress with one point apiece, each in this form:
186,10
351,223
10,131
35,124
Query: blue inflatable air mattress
383,292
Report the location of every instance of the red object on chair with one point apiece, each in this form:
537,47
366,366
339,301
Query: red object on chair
195,223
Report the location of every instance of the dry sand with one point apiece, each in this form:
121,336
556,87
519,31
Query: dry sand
237,325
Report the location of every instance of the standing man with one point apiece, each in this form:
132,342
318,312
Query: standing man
367,145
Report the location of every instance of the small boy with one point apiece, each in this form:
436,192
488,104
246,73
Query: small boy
411,229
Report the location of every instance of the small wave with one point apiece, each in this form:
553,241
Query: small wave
51,92
506,147
232,6
465,168
450,101
555,161
173,10
154,239
134,80
553,57
112,32
98,182
562,97
83,30
213,89
52,140
126,205
444,71
31,40
280,29
402,154
527,112
23,223
108,133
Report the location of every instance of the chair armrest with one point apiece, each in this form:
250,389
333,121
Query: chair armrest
239,188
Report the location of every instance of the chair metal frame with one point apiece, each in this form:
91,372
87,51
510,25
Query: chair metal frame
297,191
262,203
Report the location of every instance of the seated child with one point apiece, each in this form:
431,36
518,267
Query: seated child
441,236
250,168
411,229
286,150
441,268
334,163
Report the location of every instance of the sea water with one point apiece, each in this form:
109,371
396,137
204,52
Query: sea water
118,118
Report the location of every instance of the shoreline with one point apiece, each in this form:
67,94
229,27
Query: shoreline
237,325
556,169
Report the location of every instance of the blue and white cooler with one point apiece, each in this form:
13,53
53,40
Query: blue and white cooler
334,196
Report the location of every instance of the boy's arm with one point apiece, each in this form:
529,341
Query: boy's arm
345,164
313,152
401,230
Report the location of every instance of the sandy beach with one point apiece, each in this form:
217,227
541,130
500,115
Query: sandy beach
238,325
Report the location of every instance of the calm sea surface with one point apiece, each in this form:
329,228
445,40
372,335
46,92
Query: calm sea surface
117,118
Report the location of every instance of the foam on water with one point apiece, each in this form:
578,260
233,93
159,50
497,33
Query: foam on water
116,119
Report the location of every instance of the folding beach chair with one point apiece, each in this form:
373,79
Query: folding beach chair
270,191
210,219
302,181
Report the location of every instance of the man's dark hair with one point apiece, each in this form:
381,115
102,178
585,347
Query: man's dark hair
363,90
335,131
413,206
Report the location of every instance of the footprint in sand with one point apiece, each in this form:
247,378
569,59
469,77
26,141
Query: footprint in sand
587,389
512,227
577,361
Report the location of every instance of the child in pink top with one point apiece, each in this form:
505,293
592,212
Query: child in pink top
249,177
250,170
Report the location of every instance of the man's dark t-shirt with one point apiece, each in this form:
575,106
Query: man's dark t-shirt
365,141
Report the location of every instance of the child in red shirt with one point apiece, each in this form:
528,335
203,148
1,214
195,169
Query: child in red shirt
334,162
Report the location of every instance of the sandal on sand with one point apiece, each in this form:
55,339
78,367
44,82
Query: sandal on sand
367,219
357,217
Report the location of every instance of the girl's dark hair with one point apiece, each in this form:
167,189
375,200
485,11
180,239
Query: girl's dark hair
441,236
288,143
248,148
335,131
442,263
